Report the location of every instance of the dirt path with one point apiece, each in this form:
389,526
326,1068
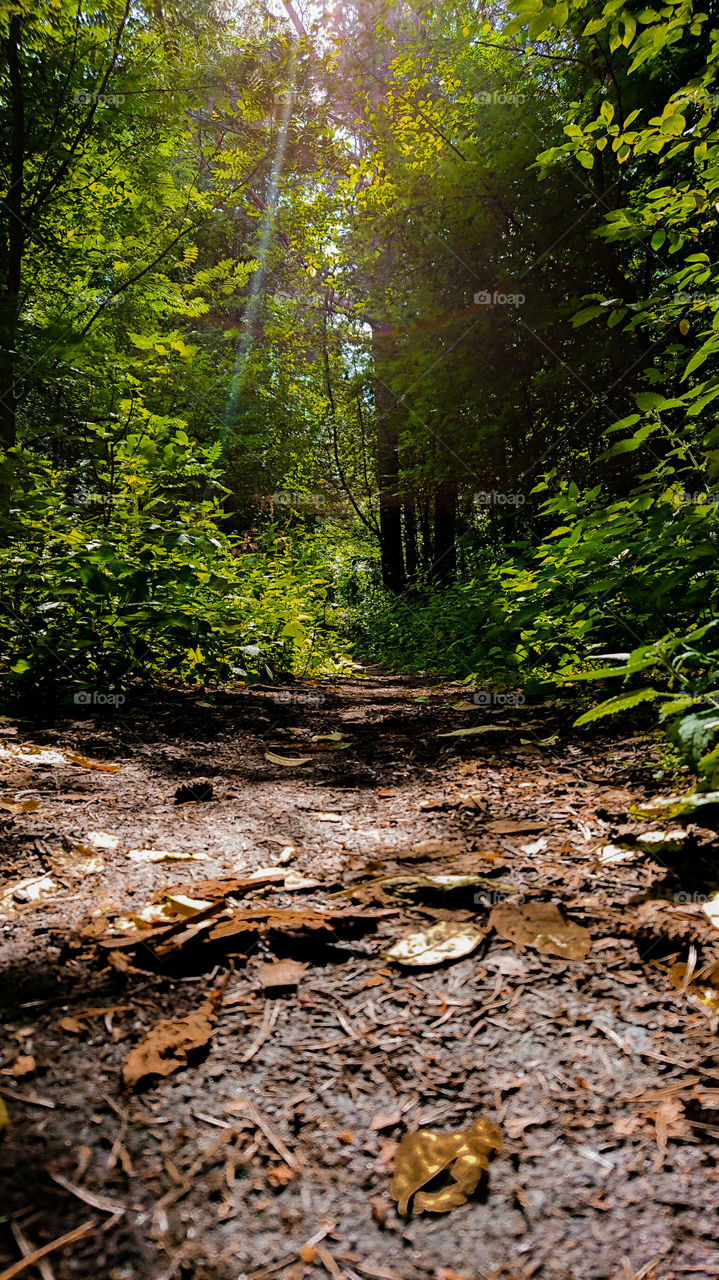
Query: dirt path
271,1152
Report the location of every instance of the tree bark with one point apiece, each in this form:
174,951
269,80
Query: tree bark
14,243
410,534
388,471
445,521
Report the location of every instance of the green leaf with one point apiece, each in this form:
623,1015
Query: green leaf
614,706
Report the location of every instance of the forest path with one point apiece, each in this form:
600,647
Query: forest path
270,1152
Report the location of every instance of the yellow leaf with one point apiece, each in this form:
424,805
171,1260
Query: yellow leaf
447,940
288,761
422,1156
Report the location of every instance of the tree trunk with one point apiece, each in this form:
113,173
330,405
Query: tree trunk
410,534
445,517
426,534
388,472
13,248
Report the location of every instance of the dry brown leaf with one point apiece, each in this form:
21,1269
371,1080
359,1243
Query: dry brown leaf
103,839
170,1044
510,827
19,806
280,973
25,892
421,1156
177,904
670,1122
447,940
515,1125
704,988
28,754
477,731
24,1065
165,855
541,925
100,766
385,1120
73,1022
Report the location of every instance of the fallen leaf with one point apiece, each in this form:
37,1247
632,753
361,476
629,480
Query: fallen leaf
288,761
31,755
321,816
610,853
326,737
506,963
537,846
711,909
509,827
662,841
165,855
100,766
385,1120
670,1122
541,925
280,973
81,860
460,800
665,808
478,729
24,1065
24,892
177,904
463,1155
626,1126
170,1044
4,1117
73,1022
515,1125
704,987
19,806
428,886
447,940
464,706
103,839
281,1175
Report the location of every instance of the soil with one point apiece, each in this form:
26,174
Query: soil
270,1151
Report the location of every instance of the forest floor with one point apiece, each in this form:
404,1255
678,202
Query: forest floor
269,1152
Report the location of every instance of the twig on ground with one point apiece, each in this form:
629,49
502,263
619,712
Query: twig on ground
270,1015
32,1259
26,1249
